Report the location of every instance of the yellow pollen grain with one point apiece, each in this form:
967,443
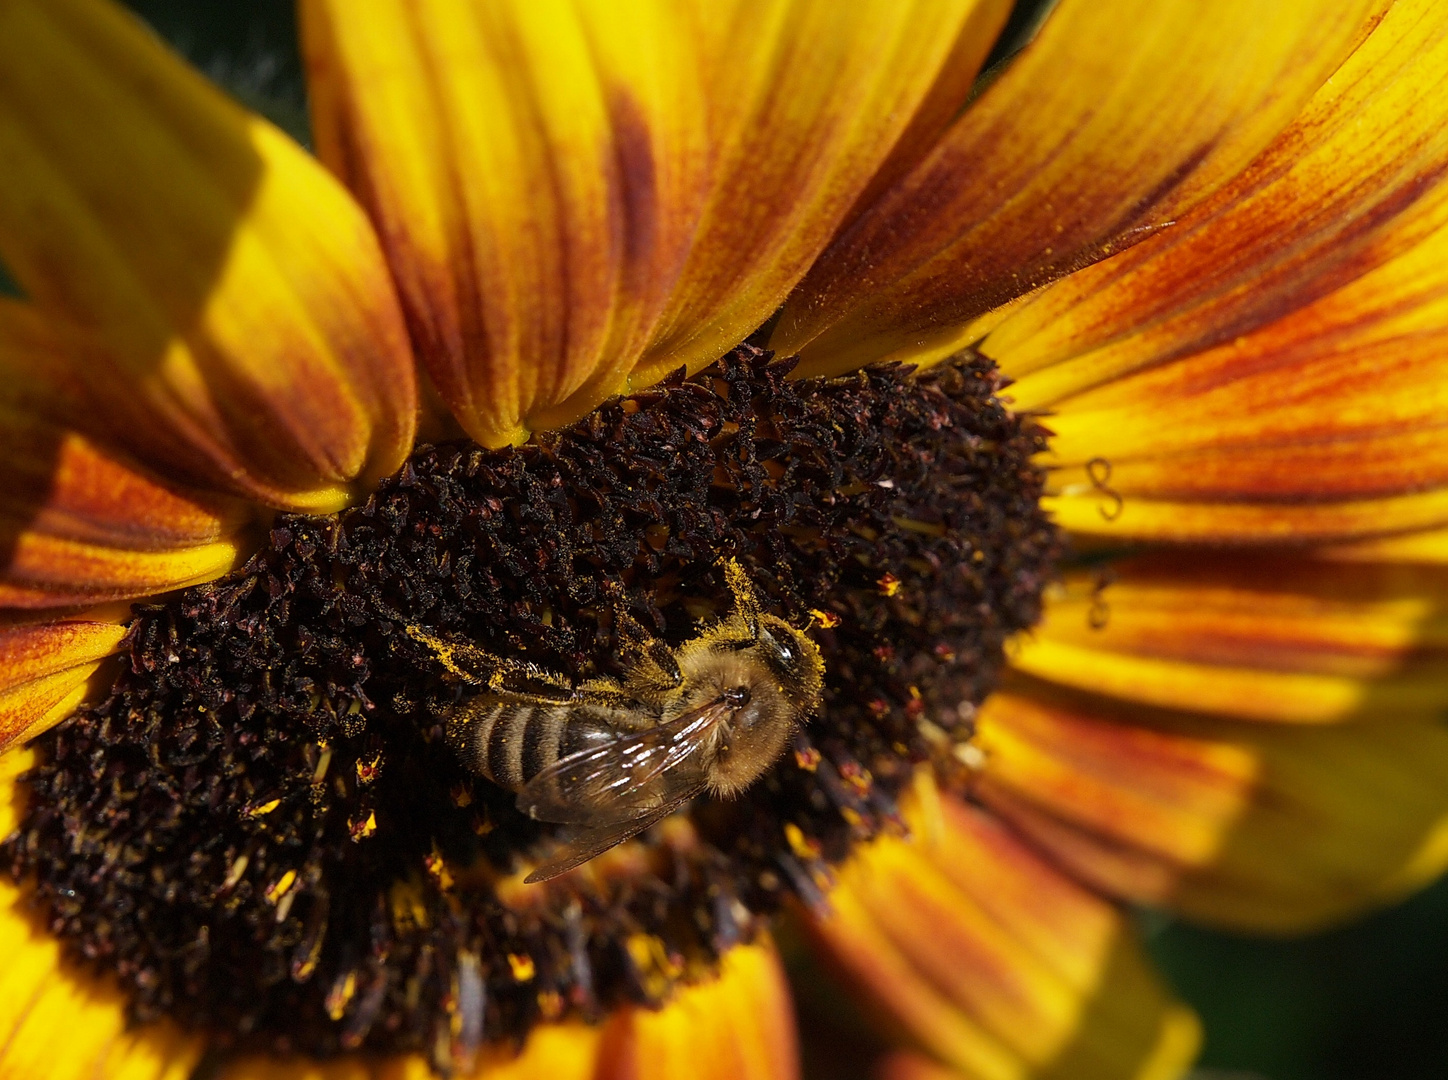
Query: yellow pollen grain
340,994
361,829
367,770
437,868
408,909
323,764
264,809
808,759
828,619
522,967
799,843
282,886
234,874
550,1004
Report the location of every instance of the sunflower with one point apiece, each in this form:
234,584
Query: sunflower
1086,412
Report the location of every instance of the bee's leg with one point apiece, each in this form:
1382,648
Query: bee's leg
606,693
746,605
657,669
516,678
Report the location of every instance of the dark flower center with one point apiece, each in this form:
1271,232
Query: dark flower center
265,831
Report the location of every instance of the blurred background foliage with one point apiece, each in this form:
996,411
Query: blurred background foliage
1365,1002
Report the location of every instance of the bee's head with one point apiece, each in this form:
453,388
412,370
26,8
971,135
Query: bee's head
794,659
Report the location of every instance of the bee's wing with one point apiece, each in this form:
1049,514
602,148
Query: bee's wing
626,778
594,842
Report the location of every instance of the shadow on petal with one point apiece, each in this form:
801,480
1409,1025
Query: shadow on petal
1248,826
237,324
972,948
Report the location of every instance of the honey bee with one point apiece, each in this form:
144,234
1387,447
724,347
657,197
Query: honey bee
613,756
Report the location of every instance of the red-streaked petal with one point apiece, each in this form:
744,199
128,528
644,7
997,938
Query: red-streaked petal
994,962
1117,117
1250,826
45,668
55,1022
80,523
1350,184
1273,367
242,330
1325,424
1301,640
576,194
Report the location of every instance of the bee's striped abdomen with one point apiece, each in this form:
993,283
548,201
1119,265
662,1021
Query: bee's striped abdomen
508,742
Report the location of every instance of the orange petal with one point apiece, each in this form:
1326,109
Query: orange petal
1118,117
1350,184
740,1026
988,958
1249,826
79,523
243,331
1262,638
45,669
56,1022
573,194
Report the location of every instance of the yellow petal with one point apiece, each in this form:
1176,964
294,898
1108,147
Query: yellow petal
994,962
1249,826
576,193
739,1026
243,330
1301,640
1118,117
79,522
1425,547
55,1021
45,669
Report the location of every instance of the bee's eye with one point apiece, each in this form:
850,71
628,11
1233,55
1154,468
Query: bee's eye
782,652
786,652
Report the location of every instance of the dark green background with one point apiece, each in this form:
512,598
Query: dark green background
1368,1002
